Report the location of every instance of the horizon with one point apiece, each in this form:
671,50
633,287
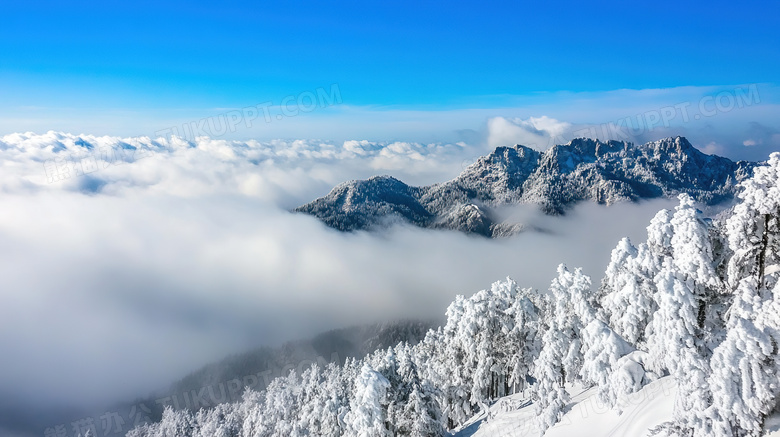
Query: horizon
738,121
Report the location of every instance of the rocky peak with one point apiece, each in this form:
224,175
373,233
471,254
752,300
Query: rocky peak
584,169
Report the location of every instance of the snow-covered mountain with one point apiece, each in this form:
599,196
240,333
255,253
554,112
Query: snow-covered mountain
554,180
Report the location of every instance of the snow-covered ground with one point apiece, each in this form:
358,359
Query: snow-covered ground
586,416
513,416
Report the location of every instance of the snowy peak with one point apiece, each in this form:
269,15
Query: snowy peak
507,166
355,193
368,203
505,160
556,179
672,146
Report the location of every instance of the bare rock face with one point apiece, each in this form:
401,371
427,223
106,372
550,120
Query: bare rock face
555,180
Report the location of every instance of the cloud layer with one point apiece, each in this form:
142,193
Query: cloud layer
149,263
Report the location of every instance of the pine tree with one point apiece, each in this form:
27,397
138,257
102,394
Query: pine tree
572,312
175,423
424,423
368,412
418,413
693,256
616,276
754,228
454,368
743,382
313,402
685,326
550,397
281,407
603,348
561,357
250,409
659,235
223,420
628,284
677,346
524,339
488,322
745,366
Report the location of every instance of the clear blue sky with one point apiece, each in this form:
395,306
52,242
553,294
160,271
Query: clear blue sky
157,55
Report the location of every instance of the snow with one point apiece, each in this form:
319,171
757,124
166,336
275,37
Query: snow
586,416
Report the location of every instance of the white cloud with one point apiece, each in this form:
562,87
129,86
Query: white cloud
536,132
713,148
286,172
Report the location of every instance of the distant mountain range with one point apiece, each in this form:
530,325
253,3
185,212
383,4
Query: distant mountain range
258,366
555,180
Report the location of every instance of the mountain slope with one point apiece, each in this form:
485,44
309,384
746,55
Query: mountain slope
555,180
586,415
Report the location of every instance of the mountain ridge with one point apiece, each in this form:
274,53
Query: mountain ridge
554,180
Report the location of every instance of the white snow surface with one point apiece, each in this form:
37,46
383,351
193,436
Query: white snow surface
586,416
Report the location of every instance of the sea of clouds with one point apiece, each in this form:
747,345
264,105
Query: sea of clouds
127,262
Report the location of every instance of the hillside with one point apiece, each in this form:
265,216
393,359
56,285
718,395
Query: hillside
586,415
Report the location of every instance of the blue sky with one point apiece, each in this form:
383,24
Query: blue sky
131,67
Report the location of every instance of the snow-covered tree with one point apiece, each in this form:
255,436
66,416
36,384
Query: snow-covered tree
745,365
561,357
623,303
550,397
452,365
677,345
571,311
743,380
322,398
486,325
678,335
281,407
368,414
335,397
602,350
628,286
686,284
482,349
422,423
754,228
223,420
418,410
524,338
251,411
617,274
175,423
693,257
659,234
629,375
